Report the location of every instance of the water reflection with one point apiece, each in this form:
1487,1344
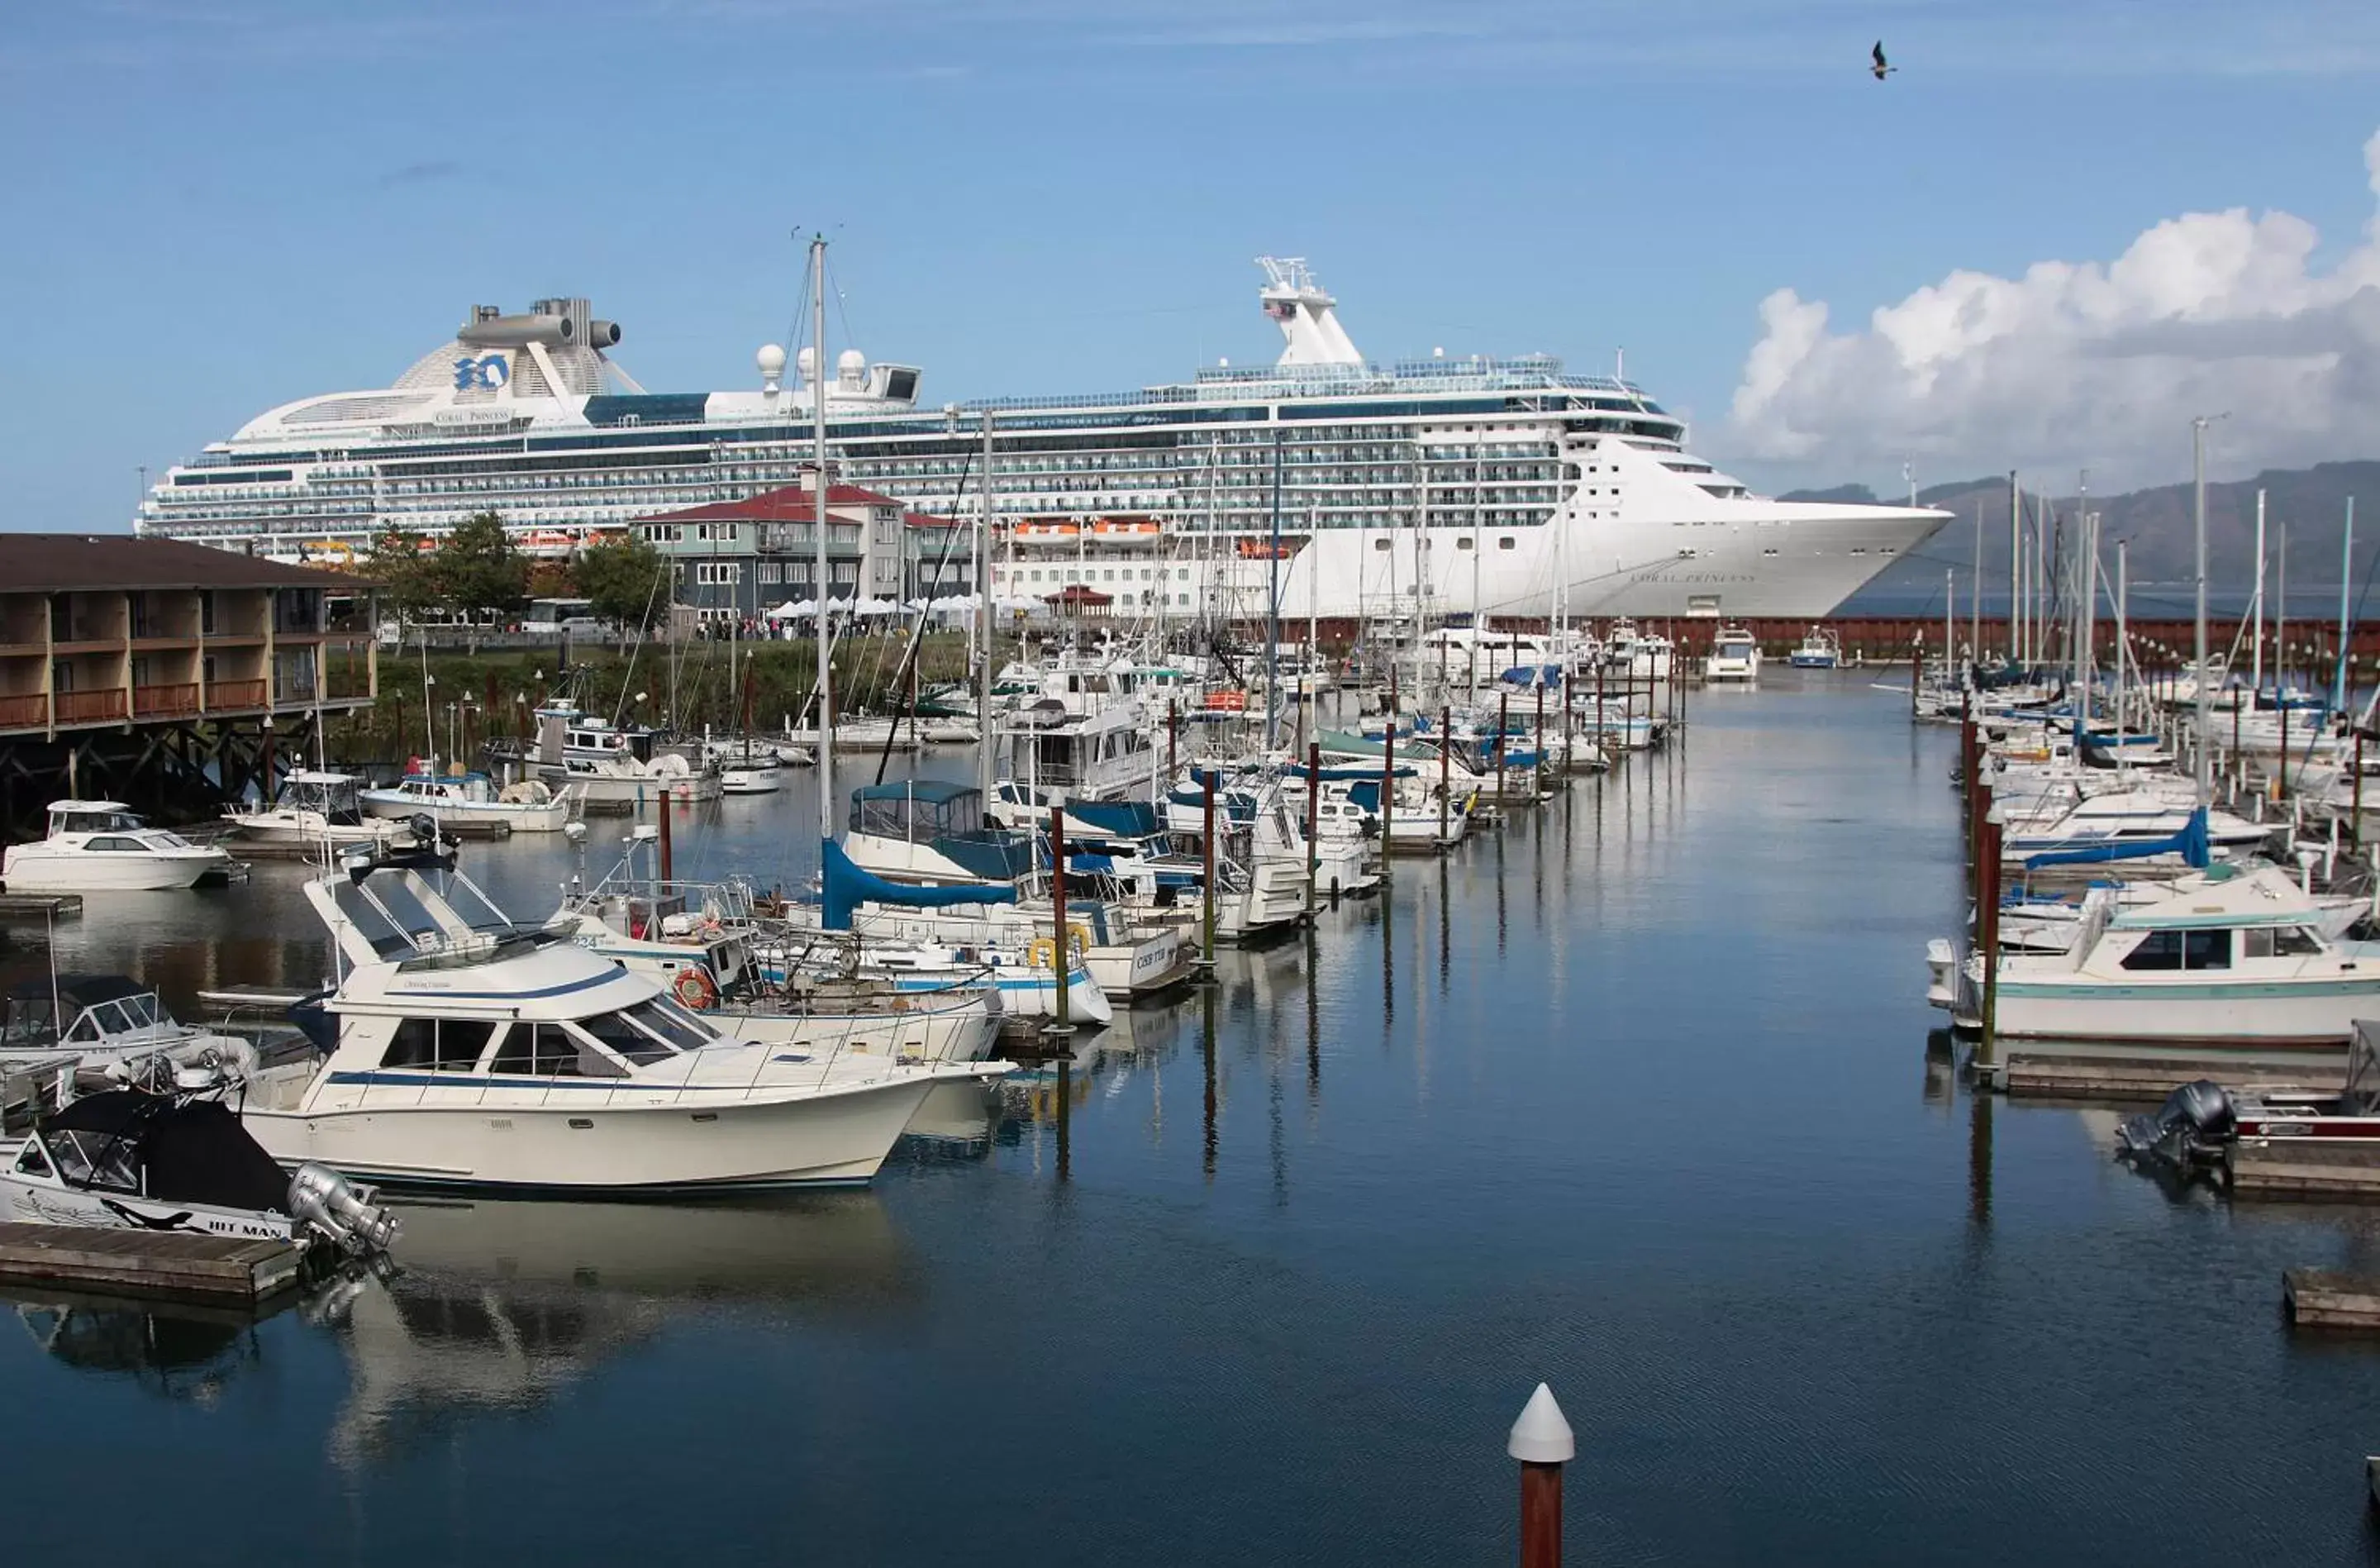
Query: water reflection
501,1304
173,1350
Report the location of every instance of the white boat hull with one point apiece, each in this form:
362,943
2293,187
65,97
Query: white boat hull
35,867
594,1137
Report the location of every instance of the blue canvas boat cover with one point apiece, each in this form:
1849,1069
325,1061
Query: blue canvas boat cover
2190,843
843,886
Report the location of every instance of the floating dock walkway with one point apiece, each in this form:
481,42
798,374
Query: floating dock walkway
177,1265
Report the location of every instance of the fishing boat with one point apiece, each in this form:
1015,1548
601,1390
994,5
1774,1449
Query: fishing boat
461,1049
1820,650
179,1163
100,846
526,807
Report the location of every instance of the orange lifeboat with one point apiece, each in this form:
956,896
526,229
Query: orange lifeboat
1047,531
1227,702
1128,530
1260,550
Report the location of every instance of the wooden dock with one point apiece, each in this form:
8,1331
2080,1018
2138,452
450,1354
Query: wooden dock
41,905
2148,1080
2307,1168
175,1264
2329,1298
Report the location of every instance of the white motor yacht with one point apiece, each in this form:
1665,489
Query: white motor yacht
100,846
464,1050
1734,656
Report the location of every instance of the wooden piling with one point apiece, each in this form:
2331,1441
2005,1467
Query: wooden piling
1987,924
1542,1441
1206,780
668,866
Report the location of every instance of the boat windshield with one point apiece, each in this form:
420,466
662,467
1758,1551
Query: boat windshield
95,823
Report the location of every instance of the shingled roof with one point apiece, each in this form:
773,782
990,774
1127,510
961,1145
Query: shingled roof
62,563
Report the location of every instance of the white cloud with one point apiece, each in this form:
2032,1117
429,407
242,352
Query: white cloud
2086,364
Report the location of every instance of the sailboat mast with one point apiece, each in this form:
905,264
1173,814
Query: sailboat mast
983,617
818,429
1975,589
2345,560
1272,607
2202,758
2016,569
2256,603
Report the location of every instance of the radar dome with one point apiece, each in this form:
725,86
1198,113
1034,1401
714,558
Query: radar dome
771,359
850,361
806,364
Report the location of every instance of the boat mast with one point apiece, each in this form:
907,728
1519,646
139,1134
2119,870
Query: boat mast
2200,758
1975,589
2016,568
817,430
983,617
2086,656
2256,603
2123,589
2346,569
1273,602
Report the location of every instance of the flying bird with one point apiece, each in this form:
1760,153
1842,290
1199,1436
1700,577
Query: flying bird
1879,68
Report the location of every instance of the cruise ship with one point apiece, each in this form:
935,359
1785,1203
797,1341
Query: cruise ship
1446,486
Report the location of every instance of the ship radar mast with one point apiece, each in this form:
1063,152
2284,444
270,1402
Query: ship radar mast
1307,317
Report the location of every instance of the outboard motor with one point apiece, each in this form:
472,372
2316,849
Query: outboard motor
2191,1126
324,1200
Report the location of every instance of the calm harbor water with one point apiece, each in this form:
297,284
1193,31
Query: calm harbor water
1632,1097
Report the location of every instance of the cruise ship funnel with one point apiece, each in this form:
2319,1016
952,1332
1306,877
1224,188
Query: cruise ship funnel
516,332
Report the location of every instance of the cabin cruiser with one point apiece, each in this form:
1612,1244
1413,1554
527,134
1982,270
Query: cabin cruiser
62,1034
1734,656
127,1159
529,807
2232,954
99,846
314,807
462,1049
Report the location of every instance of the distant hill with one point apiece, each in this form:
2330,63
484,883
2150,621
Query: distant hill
2156,523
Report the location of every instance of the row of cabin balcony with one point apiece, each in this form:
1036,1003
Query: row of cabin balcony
101,657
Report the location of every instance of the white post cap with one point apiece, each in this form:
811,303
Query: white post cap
1541,1436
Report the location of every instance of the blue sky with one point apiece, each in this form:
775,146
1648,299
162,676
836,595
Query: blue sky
213,207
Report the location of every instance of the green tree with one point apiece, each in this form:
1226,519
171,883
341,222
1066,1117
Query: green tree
398,562
476,569
626,581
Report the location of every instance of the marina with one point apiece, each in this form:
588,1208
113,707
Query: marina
1342,1132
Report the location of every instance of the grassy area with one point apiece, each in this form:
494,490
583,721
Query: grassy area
498,688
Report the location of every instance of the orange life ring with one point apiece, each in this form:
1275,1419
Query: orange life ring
695,987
